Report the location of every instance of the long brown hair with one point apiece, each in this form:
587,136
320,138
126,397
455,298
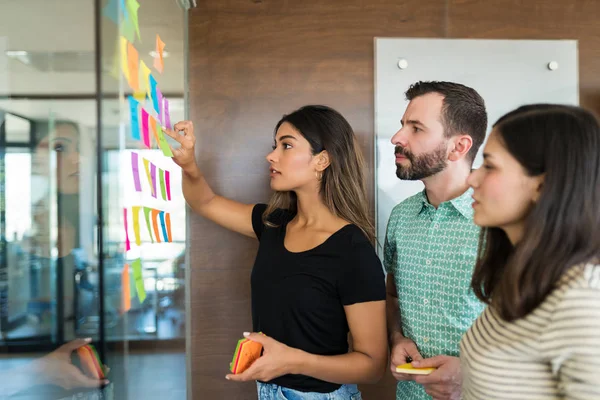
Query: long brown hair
343,188
563,227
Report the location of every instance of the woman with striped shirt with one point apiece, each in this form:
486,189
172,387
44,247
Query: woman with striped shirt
538,198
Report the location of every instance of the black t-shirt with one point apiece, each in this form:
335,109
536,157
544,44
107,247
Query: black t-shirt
298,298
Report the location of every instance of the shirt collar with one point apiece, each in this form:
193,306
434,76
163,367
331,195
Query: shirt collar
462,203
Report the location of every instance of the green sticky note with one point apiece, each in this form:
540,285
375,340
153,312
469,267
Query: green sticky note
136,265
163,144
132,14
148,224
163,191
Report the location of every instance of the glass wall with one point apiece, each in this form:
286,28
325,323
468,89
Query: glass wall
72,264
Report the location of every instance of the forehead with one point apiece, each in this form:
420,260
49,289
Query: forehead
427,107
287,129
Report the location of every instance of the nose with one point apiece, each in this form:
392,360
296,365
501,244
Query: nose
271,156
473,178
399,138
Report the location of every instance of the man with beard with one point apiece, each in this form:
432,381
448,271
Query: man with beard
431,242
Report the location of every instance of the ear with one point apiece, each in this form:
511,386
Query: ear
538,182
461,144
322,160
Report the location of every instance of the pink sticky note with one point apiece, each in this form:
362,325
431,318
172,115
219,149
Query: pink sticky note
145,130
127,243
153,174
167,117
136,172
168,183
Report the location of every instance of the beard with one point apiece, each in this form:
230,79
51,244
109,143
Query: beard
424,165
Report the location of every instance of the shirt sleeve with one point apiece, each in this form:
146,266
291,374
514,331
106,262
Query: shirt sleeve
257,221
573,343
363,280
389,247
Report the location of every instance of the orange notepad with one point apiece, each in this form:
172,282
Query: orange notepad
409,369
246,352
90,361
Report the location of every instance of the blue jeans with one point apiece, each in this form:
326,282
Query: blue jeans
269,391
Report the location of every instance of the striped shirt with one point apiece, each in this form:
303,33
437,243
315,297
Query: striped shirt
552,353
431,253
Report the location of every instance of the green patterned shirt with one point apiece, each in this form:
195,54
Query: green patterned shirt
431,254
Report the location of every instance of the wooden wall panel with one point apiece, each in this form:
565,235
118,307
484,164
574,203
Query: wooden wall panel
253,60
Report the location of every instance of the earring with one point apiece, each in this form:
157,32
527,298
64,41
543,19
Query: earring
319,175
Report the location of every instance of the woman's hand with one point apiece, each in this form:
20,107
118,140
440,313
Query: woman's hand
56,368
185,155
277,360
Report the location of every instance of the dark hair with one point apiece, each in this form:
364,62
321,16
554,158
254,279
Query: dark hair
343,188
463,110
563,227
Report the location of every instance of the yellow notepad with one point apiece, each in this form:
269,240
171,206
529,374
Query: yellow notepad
409,369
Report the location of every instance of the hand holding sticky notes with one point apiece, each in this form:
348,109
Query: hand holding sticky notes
90,362
409,369
246,352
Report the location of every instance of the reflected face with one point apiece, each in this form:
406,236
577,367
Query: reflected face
421,147
504,194
292,164
65,143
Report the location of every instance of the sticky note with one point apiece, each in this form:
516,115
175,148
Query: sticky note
135,212
168,222
144,79
111,11
127,243
158,59
159,102
133,61
147,168
145,131
134,115
168,184
138,278
132,13
152,96
163,144
153,129
155,213
124,59
135,169
163,191
125,290
167,117
147,211
162,225
153,175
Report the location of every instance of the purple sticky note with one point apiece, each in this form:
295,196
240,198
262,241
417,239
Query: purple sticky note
159,99
167,117
136,171
153,174
145,131
168,183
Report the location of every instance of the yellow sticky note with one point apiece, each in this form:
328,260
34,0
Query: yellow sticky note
409,369
145,79
133,60
132,13
124,58
148,175
135,211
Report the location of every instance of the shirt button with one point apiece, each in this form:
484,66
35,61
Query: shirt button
428,262
425,301
436,226
425,339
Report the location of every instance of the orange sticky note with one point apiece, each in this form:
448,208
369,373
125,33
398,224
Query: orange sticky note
409,369
153,127
126,290
159,63
155,213
135,211
124,59
133,63
168,221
